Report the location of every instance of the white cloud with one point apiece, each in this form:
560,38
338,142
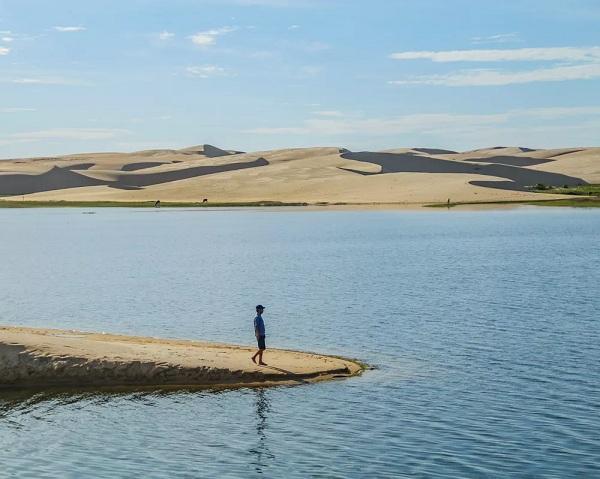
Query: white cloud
7,39
209,37
328,113
293,27
569,54
4,51
15,110
164,35
499,38
206,71
69,29
499,78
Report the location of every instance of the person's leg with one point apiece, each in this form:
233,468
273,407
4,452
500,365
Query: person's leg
254,357
261,346
260,357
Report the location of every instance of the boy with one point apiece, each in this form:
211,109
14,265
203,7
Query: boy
259,332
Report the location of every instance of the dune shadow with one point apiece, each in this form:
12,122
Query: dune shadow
142,165
435,151
149,179
511,160
125,187
519,177
57,178
80,166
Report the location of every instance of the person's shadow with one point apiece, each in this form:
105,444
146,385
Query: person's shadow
261,452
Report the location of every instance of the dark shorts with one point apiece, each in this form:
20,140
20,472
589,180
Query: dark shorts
261,342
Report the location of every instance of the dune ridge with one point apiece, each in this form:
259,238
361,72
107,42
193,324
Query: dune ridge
312,175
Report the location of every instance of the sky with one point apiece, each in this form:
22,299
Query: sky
126,75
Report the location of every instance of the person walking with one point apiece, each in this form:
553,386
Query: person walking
259,332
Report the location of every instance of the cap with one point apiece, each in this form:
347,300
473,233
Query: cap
260,306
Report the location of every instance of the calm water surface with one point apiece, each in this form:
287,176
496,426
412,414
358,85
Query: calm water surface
484,327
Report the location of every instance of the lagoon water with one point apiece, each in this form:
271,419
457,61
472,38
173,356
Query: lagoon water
483,325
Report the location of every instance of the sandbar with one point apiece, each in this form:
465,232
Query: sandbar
46,358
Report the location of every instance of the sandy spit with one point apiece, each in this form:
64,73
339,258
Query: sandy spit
46,358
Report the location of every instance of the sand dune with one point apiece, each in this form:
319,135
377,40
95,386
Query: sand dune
46,357
312,175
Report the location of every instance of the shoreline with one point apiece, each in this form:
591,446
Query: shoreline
39,358
586,202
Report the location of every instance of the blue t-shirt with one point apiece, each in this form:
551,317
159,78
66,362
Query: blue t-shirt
259,325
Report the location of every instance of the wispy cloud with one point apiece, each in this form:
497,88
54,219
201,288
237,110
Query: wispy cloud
499,38
571,63
69,134
276,3
569,54
15,110
60,134
315,46
206,71
69,29
209,37
278,130
165,35
293,27
499,78
328,113
309,71
7,39
41,81
424,123
4,51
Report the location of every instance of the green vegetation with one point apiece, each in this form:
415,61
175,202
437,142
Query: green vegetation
583,202
136,204
581,190
587,196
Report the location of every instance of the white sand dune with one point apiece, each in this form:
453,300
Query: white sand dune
312,175
47,357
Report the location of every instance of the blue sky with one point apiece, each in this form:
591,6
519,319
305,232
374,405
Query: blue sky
108,75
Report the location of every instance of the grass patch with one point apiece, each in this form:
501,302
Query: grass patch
138,204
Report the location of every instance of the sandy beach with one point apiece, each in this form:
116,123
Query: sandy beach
401,177
40,358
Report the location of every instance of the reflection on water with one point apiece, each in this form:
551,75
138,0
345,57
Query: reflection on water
261,450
